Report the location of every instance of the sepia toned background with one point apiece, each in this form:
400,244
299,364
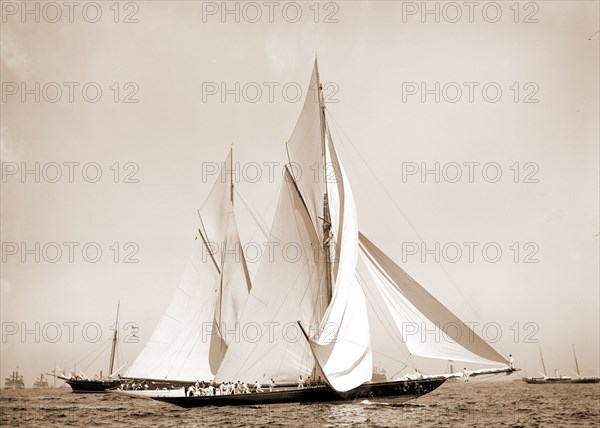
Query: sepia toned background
369,54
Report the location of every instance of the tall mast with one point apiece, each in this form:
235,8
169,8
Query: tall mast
231,178
226,240
327,292
542,358
576,363
114,343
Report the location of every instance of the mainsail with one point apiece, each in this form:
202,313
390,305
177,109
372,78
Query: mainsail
187,343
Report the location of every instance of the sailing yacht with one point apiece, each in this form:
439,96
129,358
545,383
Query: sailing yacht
579,379
312,316
82,384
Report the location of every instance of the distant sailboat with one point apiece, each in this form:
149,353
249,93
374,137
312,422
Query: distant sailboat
560,378
81,384
579,379
311,316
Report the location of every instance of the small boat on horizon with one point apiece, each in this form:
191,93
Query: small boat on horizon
41,382
15,381
545,380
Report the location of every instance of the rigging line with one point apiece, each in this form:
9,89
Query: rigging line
341,131
100,346
258,219
268,207
97,356
395,375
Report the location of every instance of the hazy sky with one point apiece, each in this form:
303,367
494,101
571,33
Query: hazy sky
540,132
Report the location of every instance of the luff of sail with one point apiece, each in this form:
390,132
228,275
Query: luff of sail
186,344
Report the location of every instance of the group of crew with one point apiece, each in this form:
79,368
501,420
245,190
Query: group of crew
309,382
134,386
207,389
202,389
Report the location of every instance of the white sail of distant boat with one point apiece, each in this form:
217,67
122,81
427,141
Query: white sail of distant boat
188,344
338,275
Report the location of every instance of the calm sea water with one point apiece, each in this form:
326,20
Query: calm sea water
474,404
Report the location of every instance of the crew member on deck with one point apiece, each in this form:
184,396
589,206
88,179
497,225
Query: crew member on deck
258,387
300,382
271,385
511,362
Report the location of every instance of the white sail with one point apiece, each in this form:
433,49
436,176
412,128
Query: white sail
317,270
176,350
426,326
343,348
306,152
232,291
187,343
215,210
286,289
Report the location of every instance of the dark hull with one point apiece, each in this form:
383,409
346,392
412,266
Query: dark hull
92,385
586,380
396,391
551,381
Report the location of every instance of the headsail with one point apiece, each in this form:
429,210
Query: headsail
416,314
